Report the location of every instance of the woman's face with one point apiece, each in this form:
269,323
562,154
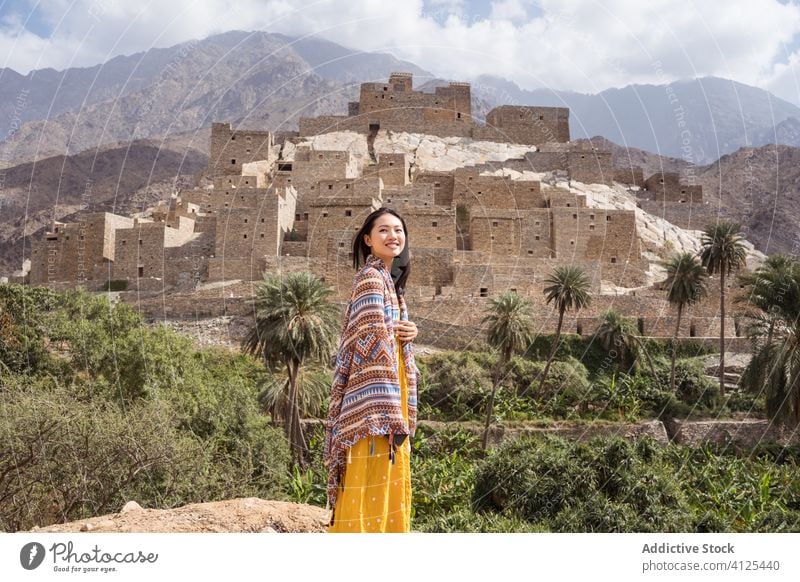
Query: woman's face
387,238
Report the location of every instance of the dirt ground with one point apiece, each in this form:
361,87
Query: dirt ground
231,516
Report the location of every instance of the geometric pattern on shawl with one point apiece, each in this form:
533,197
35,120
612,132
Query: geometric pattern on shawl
365,393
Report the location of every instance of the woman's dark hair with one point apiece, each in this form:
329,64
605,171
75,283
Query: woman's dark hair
401,266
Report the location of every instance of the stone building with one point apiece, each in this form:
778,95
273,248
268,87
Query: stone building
667,187
232,149
395,106
78,251
474,231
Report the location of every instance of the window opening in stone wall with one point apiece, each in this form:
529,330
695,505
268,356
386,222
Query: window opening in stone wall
330,186
437,184
140,242
495,223
530,252
262,235
348,213
233,162
233,138
434,223
123,242
541,118
305,216
572,242
608,218
245,221
591,227
579,329
692,331
324,215
640,325
574,216
536,237
297,217
245,236
613,259
484,292
141,271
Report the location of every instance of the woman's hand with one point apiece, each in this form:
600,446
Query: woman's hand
405,330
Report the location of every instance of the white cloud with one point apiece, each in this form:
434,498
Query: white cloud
583,45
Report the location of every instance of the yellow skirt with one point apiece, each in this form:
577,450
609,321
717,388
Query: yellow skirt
375,495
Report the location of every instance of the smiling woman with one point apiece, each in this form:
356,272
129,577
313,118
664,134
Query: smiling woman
373,408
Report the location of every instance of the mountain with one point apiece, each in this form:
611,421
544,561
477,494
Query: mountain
760,188
256,79
698,120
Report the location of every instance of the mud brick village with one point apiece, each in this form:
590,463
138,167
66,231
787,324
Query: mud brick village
490,206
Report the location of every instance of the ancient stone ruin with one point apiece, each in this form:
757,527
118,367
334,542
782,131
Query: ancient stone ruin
490,204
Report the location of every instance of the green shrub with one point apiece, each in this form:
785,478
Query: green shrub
116,285
464,520
66,459
455,385
604,485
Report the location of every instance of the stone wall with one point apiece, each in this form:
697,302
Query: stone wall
77,251
631,175
414,194
443,186
688,215
666,187
333,221
230,149
525,125
392,169
483,192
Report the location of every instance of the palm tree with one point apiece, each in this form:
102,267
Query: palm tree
772,289
295,323
616,337
510,319
568,288
775,365
685,285
722,251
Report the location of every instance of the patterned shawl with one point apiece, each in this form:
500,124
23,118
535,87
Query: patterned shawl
365,396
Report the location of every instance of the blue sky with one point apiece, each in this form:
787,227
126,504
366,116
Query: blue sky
579,45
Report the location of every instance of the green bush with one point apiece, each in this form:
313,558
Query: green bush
23,329
116,285
455,385
604,485
66,459
585,349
